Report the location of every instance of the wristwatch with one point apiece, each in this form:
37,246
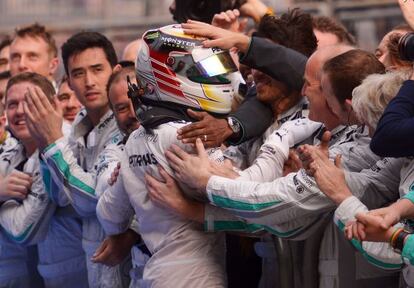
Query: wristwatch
234,124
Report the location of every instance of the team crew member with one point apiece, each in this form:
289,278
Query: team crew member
73,163
34,219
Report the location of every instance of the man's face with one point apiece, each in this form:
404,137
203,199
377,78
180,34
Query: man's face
325,38
15,113
4,59
268,89
318,107
31,54
69,102
122,107
331,100
89,72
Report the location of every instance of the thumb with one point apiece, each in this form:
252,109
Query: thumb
338,161
196,115
164,174
326,137
58,106
100,249
388,221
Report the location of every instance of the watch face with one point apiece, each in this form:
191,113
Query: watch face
234,124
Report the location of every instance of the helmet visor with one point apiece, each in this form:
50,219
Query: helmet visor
207,70
216,64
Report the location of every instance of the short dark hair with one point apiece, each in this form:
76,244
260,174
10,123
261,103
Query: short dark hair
37,30
329,25
348,70
293,30
5,42
36,79
85,40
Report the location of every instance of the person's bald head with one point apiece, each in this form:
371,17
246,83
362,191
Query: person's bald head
318,108
131,50
320,56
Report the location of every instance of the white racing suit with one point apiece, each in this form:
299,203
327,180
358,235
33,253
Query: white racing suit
73,165
261,169
183,255
113,154
293,206
35,220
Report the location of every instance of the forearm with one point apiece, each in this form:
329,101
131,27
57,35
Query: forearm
284,64
251,127
78,184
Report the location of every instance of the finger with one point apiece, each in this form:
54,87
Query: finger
201,151
19,189
219,42
167,178
388,221
179,152
236,12
45,102
30,109
361,231
151,181
21,175
229,16
225,17
191,127
101,248
348,231
173,160
197,114
17,195
338,161
355,231
33,95
326,137
58,105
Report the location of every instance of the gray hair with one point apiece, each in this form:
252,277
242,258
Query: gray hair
371,97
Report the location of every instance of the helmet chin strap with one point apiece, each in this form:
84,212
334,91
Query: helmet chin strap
151,113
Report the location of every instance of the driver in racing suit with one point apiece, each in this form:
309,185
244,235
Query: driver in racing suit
171,79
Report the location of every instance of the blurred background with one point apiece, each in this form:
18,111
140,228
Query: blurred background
126,20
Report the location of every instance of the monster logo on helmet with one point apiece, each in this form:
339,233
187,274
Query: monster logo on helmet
183,73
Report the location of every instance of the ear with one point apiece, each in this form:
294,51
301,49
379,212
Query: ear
3,121
53,65
117,68
348,104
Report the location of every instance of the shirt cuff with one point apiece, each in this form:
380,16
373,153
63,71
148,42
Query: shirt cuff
52,148
243,56
347,210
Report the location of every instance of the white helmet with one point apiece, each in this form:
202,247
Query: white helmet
174,67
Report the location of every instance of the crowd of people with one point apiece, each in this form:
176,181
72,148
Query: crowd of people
240,148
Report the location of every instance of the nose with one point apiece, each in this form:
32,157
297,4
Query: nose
20,109
22,64
90,80
131,113
73,102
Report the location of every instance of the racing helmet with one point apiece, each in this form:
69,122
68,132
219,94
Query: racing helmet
173,67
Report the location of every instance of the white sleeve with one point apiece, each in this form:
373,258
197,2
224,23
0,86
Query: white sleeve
26,222
379,254
114,210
